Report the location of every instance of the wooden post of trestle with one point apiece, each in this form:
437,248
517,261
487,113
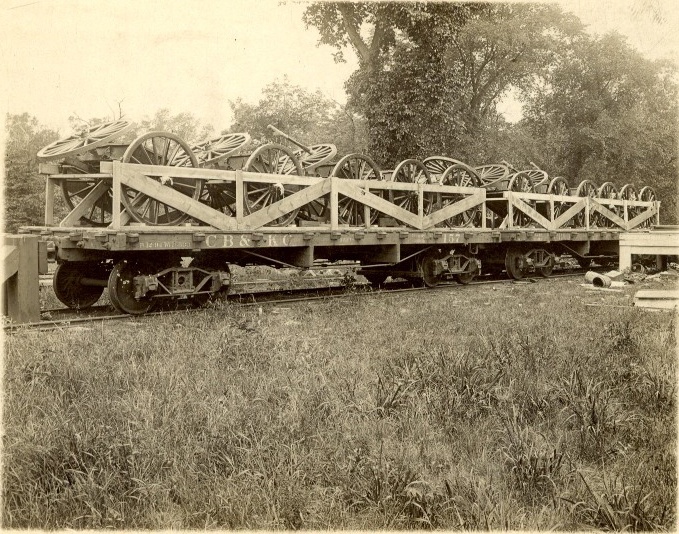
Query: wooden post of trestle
20,282
334,203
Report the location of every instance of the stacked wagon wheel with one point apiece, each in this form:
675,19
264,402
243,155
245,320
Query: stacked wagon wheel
411,171
310,160
521,182
165,149
647,194
607,191
210,154
355,167
559,187
461,175
494,177
271,158
75,190
586,188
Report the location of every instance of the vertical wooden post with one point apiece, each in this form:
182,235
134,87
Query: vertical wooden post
587,208
21,287
239,199
510,211
484,215
366,209
115,207
334,204
49,202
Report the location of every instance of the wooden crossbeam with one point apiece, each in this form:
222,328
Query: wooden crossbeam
286,205
528,210
130,177
357,193
86,204
451,210
569,213
647,214
608,214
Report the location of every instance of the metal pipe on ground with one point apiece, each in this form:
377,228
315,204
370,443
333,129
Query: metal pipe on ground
597,280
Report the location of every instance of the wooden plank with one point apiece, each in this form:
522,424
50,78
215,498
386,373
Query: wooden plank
334,203
451,210
286,205
347,188
116,221
86,204
217,174
569,213
49,202
533,214
240,202
169,196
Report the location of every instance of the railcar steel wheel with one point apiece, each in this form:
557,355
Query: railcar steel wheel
74,191
84,141
160,148
515,264
427,268
68,287
271,158
464,278
121,290
355,167
546,271
461,175
412,171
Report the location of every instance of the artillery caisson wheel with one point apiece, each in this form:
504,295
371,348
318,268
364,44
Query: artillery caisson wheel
160,148
412,171
515,264
490,173
559,186
318,156
521,183
67,286
271,158
355,167
217,149
89,139
647,194
607,191
121,287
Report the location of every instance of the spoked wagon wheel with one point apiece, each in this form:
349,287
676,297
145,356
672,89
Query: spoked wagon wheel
318,155
629,192
310,161
437,165
160,148
355,167
212,151
559,187
647,194
521,183
74,191
462,176
68,286
89,139
271,158
121,287
412,171
607,190
489,174
587,188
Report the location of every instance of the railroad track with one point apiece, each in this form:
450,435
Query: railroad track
258,298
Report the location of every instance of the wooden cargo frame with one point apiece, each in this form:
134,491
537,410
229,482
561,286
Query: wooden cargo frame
371,194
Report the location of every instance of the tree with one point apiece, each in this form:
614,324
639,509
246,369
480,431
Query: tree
24,188
183,124
608,114
431,73
309,117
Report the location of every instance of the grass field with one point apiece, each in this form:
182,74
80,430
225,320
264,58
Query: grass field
491,407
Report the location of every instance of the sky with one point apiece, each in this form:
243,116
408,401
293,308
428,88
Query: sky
73,57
